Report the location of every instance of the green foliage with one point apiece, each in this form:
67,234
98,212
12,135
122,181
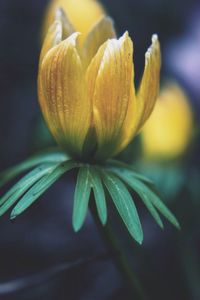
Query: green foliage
124,204
169,177
114,176
99,194
41,186
88,179
149,197
23,185
47,156
81,197
118,166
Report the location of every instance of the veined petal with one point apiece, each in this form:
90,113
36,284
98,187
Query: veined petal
99,34
130,124
68,109
149,87
82,14
67,27
53,38
109,79
59,30
141,106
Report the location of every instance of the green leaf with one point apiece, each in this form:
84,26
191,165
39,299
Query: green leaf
142,191
81,197
147,195
41,186
48,156
121,168
163,209
99,194
124,204
23,185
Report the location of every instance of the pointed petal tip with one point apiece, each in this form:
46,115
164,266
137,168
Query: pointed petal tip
59,12
126,34
154,38
73,37
154,45
73,40
124,38
56,28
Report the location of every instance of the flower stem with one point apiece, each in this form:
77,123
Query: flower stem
120,259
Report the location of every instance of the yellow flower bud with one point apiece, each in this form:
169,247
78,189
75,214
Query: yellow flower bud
81,13
167,133
86,92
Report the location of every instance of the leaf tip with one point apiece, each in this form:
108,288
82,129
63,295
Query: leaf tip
104,221
162,226
140,240
177,225
76,226
13,215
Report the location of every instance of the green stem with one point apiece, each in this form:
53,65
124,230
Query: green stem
120,259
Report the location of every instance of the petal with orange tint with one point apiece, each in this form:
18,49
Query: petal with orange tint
67,27
81,13
53,38
109,78
99,34
141,106
64,95
149,86
130,124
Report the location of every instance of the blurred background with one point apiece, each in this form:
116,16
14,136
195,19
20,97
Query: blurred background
40,256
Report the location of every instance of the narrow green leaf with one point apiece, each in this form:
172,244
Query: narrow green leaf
99,194
121,168
142,191
23,185
40,187
48,156
124,204
147,195
81,198
163,209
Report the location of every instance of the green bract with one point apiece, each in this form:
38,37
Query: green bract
113,178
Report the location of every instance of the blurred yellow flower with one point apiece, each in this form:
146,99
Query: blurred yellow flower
86,92
168,131
81,13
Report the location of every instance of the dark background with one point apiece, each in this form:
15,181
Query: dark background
42,237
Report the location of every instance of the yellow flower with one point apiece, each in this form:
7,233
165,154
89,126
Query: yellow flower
168,131
86,92
81,13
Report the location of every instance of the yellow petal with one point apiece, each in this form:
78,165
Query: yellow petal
149,86
109,79
67,27
140,107
100,33
82,14
130,124
63,93
168,132
53,38
59,30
